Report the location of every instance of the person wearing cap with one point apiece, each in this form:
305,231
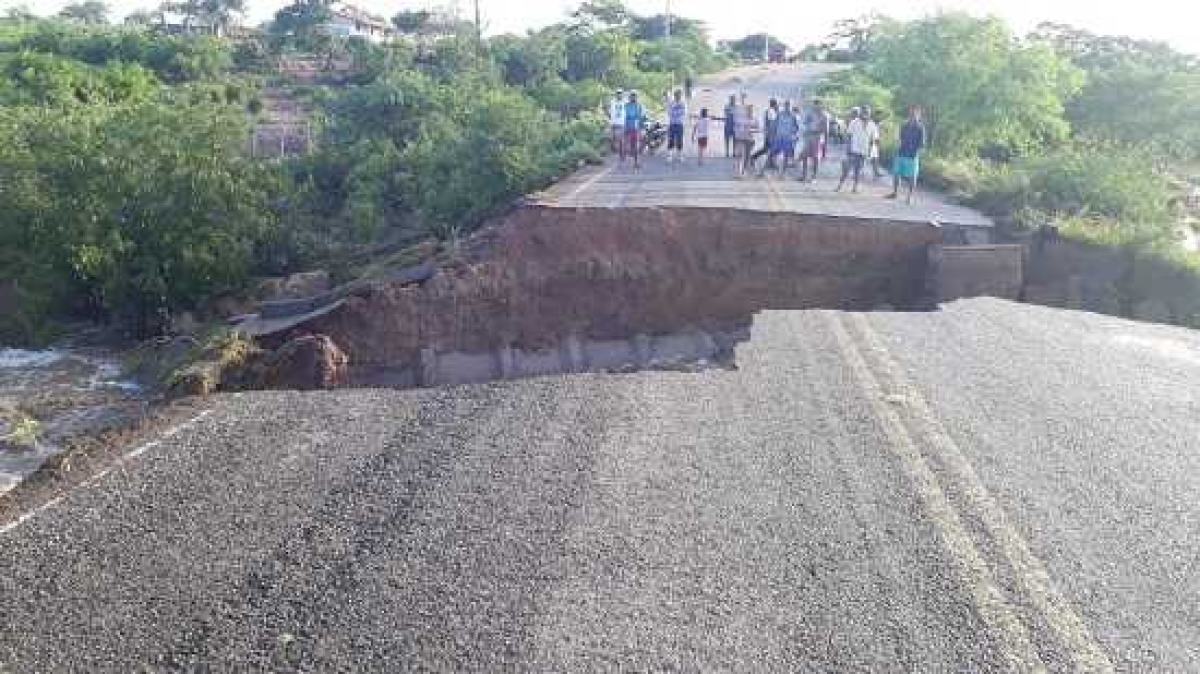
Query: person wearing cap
616,120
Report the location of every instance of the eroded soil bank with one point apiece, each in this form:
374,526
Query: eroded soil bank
544,278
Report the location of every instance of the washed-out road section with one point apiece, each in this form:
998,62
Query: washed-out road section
990,487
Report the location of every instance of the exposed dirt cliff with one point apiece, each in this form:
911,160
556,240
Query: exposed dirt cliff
541,275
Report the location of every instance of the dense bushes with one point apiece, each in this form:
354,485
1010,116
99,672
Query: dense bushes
129,210
171,58
1115,192
497,146
30,78
127,193
444,153
979,85
1038,130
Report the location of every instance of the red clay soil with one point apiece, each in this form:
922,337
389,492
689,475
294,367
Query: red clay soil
542,274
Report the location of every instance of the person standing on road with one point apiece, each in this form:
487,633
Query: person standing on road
744,128
786,132
770,128
616,121
676,119
700,135
872,117
635,117
731,109
862,133
907,165
687,86
816,133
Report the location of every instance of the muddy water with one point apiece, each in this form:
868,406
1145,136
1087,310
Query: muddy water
50,397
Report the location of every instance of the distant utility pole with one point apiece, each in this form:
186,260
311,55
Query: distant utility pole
478,27
667,22
766,47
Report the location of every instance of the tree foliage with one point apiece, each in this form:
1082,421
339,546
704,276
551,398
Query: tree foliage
128,194
1138,92
172,58
87,11
131,210
303,24
753,47
981,88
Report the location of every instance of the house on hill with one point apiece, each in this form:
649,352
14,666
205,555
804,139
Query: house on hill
352,21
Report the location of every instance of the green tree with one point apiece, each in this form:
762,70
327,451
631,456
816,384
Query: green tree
980,87
853,88
87,11
1138,92
143,17
530,61
219,14
857,34
136,209
601,15
753,47
413,21
32,79
303,23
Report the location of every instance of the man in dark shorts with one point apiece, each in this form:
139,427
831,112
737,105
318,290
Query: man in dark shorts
770,133
786,132
907,165
816,131
731,109
676,118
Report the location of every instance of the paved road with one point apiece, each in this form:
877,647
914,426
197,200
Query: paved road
992,487
661,184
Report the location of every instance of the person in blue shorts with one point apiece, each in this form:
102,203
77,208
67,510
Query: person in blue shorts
907,165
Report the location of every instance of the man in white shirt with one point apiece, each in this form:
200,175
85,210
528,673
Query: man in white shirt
616,117
862,133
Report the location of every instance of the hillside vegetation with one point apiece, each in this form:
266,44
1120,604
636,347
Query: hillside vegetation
129,194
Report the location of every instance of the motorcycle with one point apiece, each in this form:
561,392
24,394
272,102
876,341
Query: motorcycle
654,136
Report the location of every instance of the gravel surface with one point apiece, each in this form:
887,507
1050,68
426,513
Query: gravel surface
992,487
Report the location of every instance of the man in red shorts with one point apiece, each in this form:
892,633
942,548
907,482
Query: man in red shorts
635,117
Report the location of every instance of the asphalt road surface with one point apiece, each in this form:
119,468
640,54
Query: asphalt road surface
991,487
659,183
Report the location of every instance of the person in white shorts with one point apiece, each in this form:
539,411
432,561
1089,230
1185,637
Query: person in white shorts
616,129
700,135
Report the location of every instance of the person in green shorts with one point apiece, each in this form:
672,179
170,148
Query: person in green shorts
907,165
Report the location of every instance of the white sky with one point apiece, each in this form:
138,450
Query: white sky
799,21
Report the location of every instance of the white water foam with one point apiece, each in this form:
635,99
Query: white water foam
17,358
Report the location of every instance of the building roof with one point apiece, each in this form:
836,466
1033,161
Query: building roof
346,10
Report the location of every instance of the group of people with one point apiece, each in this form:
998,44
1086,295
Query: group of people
788,134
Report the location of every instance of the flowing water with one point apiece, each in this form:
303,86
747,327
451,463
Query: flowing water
48,397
